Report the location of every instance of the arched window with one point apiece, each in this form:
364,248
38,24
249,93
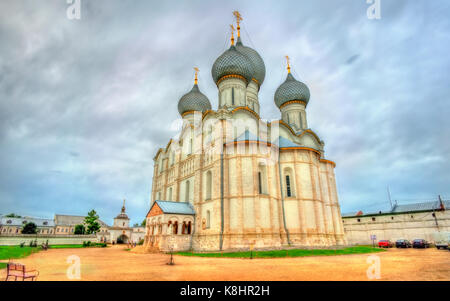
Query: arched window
208,185
183,228
262,179
208,219
232,96
260,183
288,186
187,191
175,227
189,228
289,183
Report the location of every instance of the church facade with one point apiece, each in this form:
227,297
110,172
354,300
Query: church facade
235,181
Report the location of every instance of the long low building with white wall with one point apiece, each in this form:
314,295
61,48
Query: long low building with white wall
412,221
62,229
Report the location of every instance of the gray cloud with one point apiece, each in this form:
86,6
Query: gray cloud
85,104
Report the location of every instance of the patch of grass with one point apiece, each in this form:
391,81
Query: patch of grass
65,246
288,253
2,265
94,245
7,252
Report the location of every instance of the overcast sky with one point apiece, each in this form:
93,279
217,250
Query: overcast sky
85,104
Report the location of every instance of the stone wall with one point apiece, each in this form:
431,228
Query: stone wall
396,226
15,240
166,242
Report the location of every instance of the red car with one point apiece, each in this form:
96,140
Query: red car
385,244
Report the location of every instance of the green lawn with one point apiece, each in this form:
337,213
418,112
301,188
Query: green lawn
288,253
7,252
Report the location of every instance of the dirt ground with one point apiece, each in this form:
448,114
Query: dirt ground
114,263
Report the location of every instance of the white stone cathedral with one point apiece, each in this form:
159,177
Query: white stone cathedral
234,181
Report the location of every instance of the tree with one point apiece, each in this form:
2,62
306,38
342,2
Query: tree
144,222
79,230
91,221
13,215
29,228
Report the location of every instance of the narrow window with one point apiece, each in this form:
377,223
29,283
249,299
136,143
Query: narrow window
186,197
300,119
288,186
175,227
190,146
289,122
232,96
260,183
189,228
208,219
208,185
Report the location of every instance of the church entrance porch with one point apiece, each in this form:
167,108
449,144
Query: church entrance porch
169,226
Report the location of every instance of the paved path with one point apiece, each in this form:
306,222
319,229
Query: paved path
115,263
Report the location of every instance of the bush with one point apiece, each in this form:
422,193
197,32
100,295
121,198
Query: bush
141,242
22,244
29,228
79,230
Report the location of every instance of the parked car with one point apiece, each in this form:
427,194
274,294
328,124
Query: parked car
442,240
385,244
420,243
403,243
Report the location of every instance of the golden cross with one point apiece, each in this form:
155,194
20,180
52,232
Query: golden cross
238,21
288,66
232,34
196,73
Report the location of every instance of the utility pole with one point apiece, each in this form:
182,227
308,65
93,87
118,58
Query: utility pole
434,213
389,196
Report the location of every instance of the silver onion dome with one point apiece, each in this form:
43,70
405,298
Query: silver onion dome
255,58
232,62
193,101
291,89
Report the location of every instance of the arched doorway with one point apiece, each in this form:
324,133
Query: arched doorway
122,239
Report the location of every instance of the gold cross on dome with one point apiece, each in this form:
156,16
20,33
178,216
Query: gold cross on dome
288,65
196,74
232,34
238,21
